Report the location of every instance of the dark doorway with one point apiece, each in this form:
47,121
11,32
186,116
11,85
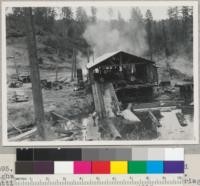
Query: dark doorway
141,72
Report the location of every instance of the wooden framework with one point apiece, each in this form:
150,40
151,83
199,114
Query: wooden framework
105,70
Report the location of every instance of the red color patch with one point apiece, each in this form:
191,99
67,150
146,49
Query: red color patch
100,167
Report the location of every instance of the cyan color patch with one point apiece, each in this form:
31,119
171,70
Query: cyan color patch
155,167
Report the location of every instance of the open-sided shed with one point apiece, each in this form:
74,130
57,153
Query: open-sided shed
120,65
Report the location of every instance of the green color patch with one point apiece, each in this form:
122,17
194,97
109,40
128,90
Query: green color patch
137,167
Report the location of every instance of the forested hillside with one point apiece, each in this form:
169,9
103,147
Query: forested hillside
168,42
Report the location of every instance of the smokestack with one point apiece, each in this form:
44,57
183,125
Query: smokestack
88,54
93,55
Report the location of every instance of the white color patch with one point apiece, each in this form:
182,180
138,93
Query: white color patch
174,154
63,167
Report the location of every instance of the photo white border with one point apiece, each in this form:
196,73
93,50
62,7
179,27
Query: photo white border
101,4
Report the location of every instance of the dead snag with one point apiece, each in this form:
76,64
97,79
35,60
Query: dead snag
35,75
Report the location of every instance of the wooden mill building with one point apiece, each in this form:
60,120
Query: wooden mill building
133,78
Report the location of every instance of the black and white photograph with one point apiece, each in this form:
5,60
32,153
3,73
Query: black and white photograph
100,73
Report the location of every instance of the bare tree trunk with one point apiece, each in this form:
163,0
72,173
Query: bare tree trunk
166,50
35,75
75,65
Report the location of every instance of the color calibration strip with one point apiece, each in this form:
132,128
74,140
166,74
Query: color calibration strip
89,154
100,161
99,167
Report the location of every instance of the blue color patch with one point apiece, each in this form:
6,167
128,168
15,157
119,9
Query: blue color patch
155,167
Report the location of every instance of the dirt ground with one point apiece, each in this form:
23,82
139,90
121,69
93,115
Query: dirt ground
74,105
77,105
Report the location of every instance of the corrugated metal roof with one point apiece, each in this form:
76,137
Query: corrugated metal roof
108,55
102,58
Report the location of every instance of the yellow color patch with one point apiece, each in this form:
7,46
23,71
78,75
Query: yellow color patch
118,167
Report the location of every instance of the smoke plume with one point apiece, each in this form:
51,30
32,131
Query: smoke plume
130,36
183,64
179,62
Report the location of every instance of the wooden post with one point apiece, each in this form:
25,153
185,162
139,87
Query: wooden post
72,72
16,68
120,59
57,66
35,75
156,74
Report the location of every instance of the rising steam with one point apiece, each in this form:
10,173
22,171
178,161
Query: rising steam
103,37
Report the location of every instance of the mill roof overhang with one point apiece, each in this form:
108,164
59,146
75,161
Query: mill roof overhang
105,57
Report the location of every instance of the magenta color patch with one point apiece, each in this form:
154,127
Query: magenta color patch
82,167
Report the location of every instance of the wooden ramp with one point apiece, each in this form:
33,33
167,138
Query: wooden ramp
98,99
106,105
105,99
110,100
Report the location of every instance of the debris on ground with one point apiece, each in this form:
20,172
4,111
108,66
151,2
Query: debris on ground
15,84
48,85
24,135
87,129
181,119
154,122
19,96
129,115
24,78
74,118
79,86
